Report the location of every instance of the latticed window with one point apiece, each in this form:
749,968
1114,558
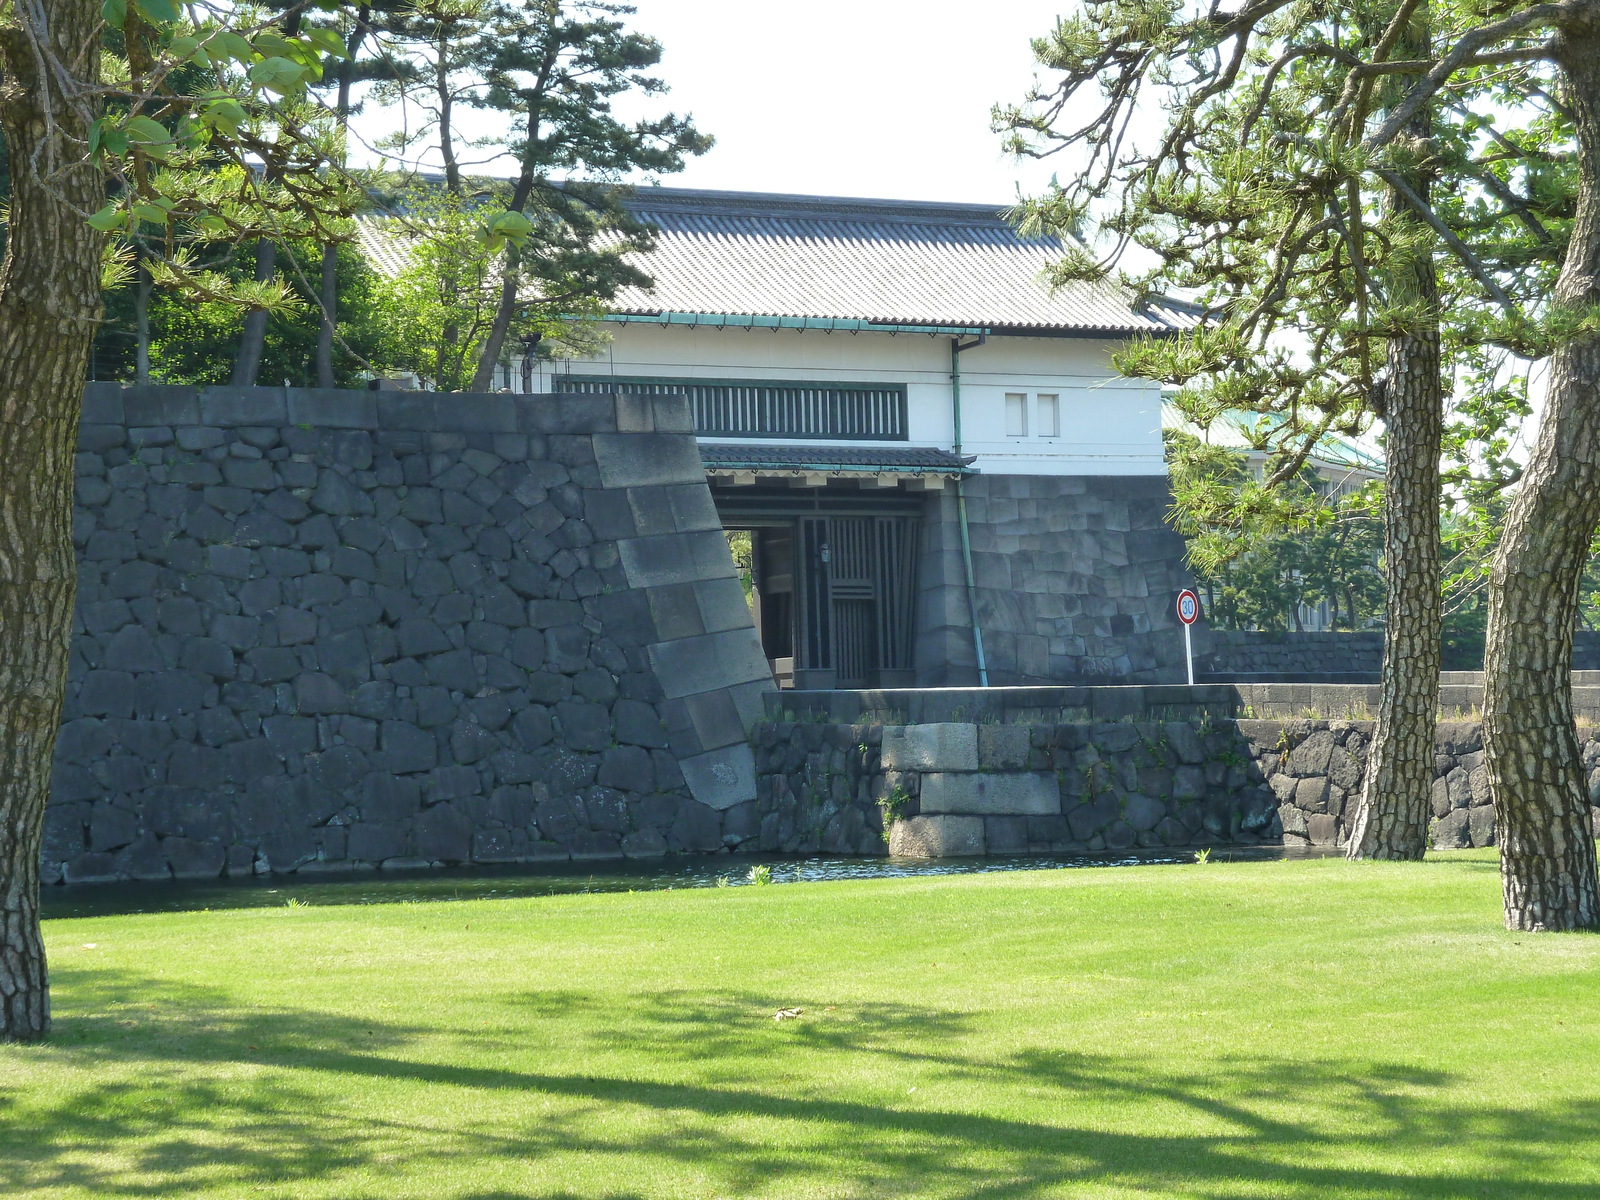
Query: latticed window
771,408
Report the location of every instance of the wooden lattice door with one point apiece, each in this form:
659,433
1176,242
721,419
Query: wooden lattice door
858,596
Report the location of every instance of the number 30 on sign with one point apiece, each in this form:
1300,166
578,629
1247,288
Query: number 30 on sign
1188,607
1188,613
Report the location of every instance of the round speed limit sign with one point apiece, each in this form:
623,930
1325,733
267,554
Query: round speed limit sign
1188,607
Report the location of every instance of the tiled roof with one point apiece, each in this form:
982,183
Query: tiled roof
886,262
383,240
824,458
882,261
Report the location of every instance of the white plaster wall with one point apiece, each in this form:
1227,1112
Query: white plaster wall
1109,425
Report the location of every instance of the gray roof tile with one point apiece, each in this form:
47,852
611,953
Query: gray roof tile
888,262
754,254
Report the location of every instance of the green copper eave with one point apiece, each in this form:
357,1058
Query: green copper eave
745,321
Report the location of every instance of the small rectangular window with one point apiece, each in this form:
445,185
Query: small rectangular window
1049,416
1016,414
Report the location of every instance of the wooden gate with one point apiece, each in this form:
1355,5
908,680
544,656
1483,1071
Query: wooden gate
859,597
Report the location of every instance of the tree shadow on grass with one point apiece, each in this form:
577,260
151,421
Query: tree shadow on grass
217,1097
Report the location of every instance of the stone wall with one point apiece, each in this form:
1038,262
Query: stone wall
318,629
1076,579
959,788
1223,654
819,789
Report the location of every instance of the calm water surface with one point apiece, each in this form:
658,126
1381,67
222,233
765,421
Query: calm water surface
558,879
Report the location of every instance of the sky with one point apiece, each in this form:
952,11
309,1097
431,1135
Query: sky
885,98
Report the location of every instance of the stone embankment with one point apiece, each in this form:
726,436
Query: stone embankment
321,630
958,788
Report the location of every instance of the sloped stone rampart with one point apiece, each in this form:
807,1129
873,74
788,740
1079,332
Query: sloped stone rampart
325,629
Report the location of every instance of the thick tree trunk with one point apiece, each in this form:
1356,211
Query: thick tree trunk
1392,819
1542,818
253,338
49,309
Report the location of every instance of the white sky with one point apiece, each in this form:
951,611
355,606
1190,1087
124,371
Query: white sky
885,98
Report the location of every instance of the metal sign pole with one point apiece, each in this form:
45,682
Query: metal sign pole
1188,613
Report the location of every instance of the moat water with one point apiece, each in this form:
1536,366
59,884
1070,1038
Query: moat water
561,879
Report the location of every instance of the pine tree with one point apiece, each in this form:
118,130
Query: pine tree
1289,185
73,134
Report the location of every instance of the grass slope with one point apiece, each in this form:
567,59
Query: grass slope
1276,1030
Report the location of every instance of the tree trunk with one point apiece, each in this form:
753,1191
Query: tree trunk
330,306
253,338
511,278
505,309
446,95
1542,817
1392,819
329,295
49,309
141,322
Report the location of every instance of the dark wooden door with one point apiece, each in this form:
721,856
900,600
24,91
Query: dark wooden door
858,597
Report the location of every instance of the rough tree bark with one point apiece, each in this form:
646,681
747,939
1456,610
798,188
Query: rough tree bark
1542,818
1392,819
49,309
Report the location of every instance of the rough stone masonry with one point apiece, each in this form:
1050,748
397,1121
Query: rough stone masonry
318,629
951,788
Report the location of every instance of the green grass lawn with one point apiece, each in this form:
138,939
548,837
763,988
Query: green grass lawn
1275,1030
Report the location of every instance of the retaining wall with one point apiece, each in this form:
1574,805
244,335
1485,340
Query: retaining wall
318,629
1460,695
1226,655
959,788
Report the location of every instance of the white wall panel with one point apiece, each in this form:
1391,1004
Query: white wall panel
1108,425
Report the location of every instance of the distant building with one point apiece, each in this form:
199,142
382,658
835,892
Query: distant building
1342,466
861,372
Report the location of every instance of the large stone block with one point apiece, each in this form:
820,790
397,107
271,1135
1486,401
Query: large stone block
1011,793
706,663
646,459
232,406
669,558
1004,747
722,778
937,746
937,837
